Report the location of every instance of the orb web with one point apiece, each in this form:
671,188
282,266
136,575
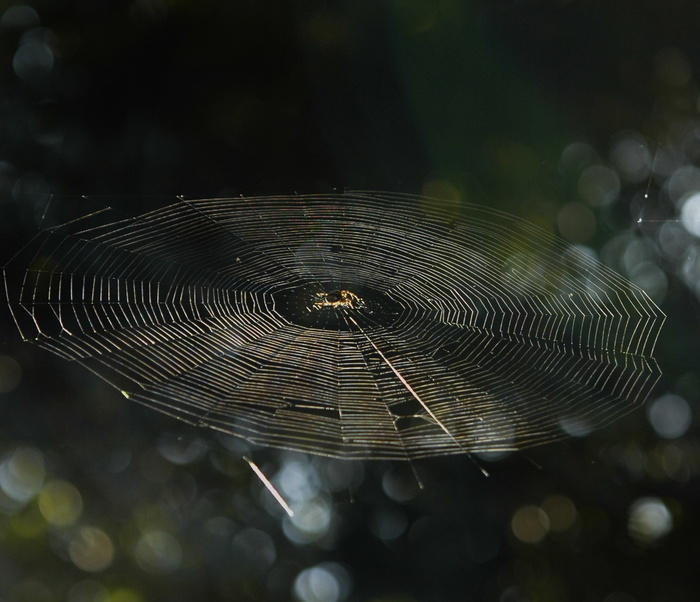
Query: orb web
356,325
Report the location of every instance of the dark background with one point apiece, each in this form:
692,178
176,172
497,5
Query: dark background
500,103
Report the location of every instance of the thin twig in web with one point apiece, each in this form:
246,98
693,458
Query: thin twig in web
270,487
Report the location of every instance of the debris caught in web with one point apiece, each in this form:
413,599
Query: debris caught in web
356,325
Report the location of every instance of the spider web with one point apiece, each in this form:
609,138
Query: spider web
458,331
